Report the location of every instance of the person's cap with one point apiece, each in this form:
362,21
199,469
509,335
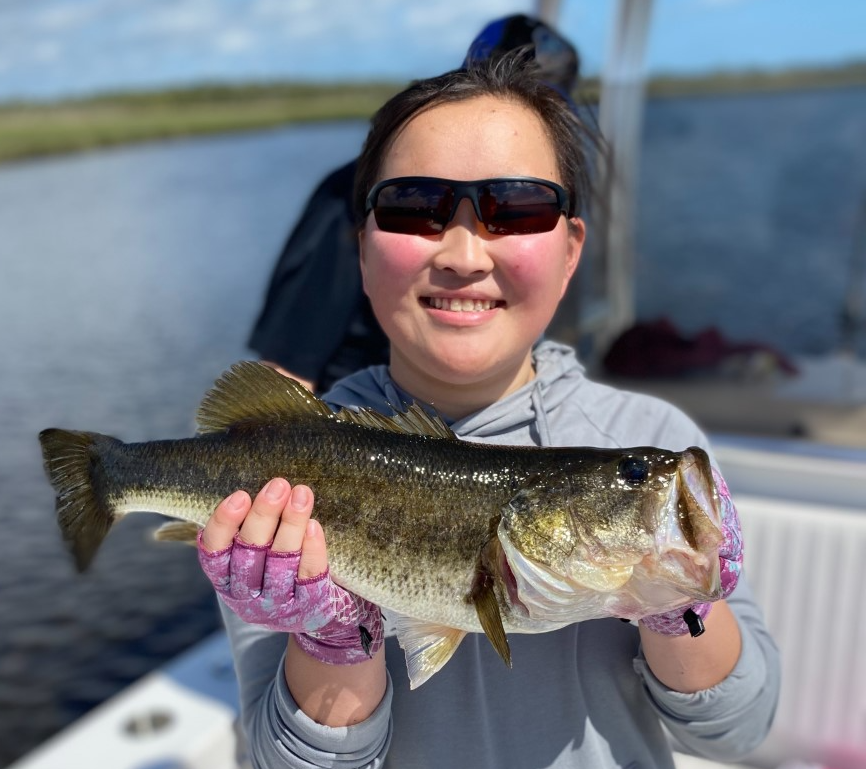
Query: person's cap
557,59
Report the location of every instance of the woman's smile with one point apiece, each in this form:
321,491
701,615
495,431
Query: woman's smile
461,304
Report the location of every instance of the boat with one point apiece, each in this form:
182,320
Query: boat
793,452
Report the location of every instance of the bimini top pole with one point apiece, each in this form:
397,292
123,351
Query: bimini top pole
621,106
601,302
547,11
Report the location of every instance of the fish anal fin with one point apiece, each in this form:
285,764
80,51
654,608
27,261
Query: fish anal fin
483,597
427,646
253,393
178,531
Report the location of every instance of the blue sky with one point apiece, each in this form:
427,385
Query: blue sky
52,48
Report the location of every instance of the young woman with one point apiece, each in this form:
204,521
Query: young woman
464,291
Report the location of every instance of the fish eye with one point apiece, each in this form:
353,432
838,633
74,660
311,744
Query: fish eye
634,470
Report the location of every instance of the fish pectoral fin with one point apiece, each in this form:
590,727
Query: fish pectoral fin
482,594
178,531
427,646
487,608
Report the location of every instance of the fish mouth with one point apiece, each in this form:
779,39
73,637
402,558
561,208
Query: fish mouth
702,499
689,530
461,304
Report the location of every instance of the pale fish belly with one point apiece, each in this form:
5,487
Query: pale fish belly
428,593
193,508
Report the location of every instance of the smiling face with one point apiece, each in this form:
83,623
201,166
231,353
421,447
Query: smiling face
463,308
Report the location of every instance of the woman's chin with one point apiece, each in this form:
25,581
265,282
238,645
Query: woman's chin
463,367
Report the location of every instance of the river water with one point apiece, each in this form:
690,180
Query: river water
129,280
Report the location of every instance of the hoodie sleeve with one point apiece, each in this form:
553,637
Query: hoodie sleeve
732,718
279,735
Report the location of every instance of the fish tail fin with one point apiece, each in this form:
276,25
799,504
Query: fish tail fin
73,463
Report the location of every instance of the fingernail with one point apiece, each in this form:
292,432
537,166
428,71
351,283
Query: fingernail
300,497
236,501
311,528
275,489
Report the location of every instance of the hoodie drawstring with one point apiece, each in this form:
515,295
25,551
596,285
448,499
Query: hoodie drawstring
540,416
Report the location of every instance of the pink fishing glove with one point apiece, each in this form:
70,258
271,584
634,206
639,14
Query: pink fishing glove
690,620
262,587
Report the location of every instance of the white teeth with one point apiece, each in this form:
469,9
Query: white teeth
462,305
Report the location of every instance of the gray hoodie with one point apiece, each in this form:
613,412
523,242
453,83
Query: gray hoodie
582,696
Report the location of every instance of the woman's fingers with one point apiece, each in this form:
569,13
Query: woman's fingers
298,532
263,518
293,521
279,514
314,555
220,530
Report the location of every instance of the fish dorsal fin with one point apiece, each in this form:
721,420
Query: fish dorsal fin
253,393
413,421
417,420
427,647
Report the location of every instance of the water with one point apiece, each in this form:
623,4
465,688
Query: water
129,280
747,214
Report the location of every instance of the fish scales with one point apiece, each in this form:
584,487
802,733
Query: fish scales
379,496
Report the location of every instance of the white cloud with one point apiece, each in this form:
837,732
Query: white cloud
75,45
46,52
52,16
721,3
235,41
178,20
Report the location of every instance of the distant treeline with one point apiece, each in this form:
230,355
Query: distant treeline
760,81
35,129
30,129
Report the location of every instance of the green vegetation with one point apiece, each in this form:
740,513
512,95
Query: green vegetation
759,81
31,130
35,129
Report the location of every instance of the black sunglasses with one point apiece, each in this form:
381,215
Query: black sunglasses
506,205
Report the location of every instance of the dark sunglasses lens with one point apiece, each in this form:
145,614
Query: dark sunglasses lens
413,208
518,208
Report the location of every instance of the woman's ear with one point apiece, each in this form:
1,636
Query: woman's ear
362,261
576,238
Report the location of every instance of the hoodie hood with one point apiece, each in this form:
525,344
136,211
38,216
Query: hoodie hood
522,417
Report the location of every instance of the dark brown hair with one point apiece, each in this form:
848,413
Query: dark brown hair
513,76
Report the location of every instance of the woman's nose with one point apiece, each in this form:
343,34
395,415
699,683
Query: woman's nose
463,247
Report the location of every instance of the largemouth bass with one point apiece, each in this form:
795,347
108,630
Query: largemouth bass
450,536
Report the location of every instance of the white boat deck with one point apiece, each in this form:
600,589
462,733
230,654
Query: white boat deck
824,403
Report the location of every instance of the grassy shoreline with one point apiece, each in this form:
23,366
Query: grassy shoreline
30,130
